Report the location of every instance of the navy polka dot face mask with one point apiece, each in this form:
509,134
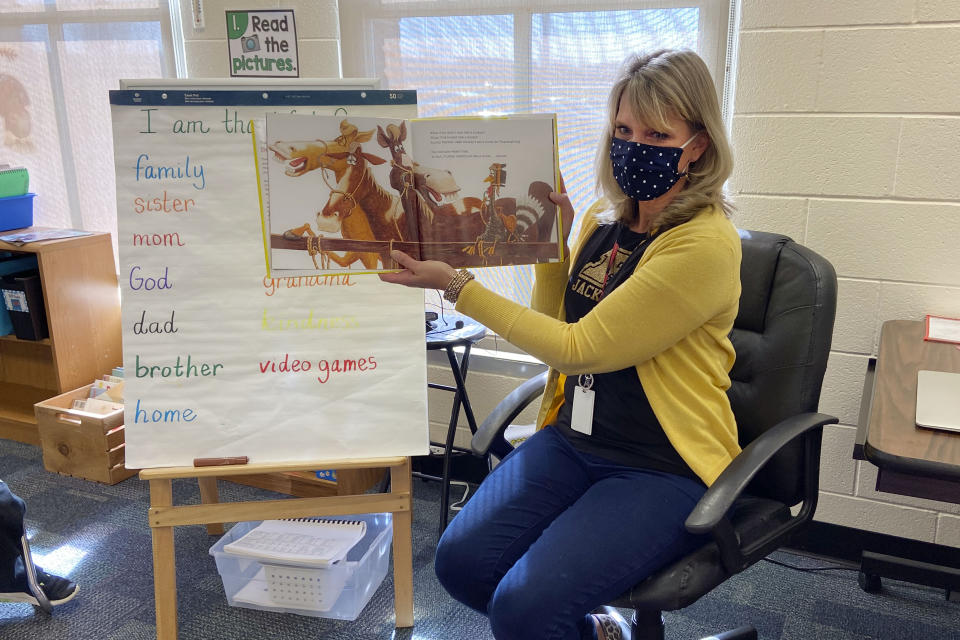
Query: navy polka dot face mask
645,171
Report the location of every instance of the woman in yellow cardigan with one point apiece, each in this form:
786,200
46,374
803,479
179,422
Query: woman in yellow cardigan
634,327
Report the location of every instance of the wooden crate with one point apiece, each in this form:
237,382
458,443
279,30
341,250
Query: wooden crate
83,446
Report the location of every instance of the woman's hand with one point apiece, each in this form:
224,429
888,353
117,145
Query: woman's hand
426,274
560,199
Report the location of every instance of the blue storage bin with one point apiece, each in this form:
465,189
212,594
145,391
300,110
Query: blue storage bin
16,212
24,263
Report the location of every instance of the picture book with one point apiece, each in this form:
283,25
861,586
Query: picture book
308,542
341,191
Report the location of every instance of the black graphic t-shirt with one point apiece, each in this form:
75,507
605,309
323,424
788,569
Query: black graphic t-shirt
625,429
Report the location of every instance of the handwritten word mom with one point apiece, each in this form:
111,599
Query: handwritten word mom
177,172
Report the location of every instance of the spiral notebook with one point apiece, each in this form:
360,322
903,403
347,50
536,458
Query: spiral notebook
308,542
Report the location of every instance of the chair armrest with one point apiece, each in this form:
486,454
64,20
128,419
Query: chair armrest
492,428
718,499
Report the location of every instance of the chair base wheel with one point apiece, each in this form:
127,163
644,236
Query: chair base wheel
869,582
647,625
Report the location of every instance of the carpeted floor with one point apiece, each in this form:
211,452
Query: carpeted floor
98,535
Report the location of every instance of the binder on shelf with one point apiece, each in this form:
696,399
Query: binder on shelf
23,299
307,542
14,181
7,266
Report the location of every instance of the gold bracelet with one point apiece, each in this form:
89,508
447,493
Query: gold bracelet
452,292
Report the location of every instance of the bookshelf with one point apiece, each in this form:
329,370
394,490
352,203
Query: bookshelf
82,301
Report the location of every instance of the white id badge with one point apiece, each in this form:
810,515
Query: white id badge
581,418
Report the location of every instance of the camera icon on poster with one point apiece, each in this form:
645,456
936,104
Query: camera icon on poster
250,43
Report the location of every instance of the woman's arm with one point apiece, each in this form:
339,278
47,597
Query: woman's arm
689,280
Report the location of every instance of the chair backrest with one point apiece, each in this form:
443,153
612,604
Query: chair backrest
782,337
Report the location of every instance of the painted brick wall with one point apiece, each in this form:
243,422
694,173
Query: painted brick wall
318,36
845,128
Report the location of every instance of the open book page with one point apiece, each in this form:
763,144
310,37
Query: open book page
337,195
309,543
483,186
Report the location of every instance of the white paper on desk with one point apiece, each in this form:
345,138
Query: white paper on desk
943,329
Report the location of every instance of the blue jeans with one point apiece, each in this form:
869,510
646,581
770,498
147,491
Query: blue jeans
553,533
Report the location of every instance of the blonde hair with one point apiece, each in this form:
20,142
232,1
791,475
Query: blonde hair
657,86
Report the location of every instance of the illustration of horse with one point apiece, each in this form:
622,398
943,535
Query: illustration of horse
401,171
361,209
301,158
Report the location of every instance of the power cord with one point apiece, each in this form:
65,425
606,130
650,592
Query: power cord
458,505
810,569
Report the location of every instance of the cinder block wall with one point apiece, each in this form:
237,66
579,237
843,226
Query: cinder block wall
318,36
845,131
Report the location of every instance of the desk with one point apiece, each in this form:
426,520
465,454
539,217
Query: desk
913,461
164,516
448,336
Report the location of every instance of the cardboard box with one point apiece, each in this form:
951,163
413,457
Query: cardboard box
81,445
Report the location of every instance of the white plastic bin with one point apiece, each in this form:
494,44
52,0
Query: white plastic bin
340,591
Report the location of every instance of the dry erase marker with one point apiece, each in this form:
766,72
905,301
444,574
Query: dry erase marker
217,462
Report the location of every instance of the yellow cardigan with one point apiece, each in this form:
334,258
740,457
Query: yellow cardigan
670,319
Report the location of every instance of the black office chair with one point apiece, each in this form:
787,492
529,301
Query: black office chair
782,338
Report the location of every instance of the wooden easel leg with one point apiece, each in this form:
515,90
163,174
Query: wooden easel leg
164,568
400,482
210,495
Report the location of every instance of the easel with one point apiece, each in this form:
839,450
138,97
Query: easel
164,516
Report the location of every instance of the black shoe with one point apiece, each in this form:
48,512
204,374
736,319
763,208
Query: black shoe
610,624
58,590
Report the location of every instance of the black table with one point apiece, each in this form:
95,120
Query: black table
449,333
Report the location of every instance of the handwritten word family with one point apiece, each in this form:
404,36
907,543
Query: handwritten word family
176,171
325,368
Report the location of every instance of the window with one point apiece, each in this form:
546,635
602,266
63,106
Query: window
509,56
58,59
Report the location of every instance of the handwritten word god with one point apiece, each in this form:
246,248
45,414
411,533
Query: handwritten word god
138,282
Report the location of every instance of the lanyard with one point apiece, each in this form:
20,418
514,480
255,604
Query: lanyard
613,256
